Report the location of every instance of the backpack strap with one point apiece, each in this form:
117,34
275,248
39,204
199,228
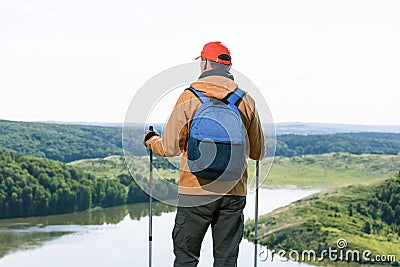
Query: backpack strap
235,96
199,95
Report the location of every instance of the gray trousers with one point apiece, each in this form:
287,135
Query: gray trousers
224,214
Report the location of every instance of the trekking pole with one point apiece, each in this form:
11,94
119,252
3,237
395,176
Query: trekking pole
256,214
151,205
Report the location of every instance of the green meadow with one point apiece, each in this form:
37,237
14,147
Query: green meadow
330,170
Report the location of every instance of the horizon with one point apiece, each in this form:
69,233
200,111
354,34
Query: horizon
121,122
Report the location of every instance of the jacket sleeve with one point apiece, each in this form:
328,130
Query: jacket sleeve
256,137
174,136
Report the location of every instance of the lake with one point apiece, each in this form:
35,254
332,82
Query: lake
118,236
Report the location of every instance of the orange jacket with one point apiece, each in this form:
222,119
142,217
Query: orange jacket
174,140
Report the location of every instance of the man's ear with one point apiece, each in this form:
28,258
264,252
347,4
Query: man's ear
230,66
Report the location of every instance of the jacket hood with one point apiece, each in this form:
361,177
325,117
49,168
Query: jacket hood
215,86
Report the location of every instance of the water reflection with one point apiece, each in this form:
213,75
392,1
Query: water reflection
26,233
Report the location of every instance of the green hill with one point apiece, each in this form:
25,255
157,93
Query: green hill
366,216
31,186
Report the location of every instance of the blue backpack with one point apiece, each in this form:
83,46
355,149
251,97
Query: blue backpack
217,141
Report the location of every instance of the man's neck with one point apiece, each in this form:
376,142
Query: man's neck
217,72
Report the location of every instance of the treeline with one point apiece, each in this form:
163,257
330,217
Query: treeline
67,143
356,143
385,205
32,186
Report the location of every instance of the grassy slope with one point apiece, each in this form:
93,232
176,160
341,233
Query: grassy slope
113,166
318,221
330,170
106,167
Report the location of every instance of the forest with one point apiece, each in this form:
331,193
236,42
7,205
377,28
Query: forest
60,142
31,186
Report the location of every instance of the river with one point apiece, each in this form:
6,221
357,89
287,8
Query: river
118,236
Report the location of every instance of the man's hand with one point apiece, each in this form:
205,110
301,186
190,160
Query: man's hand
149,134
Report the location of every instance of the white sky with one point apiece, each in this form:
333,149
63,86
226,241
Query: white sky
315,61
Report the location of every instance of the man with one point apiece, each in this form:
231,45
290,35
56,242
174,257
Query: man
203,202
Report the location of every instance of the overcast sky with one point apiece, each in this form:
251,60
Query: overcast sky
314,61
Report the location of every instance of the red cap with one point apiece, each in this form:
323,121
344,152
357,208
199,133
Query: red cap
214,51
